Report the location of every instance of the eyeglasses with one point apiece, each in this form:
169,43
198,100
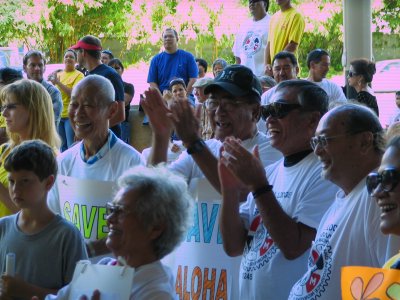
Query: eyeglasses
351,74
388,179
323,140
9,106
227,104
278,110
116,209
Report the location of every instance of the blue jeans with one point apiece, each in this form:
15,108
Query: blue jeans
66,134
126,132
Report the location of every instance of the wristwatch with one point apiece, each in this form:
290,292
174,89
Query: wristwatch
196,147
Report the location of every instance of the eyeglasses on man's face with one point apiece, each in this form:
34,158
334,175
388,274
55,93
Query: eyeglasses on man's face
388,179
227,104
278,110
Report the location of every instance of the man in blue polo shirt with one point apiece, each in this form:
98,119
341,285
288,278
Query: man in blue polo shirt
172,63
89,52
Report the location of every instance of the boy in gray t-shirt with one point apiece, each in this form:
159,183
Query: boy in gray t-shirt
46,246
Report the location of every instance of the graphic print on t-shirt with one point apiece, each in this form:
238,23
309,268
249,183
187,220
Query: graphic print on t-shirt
259,248
312,285
252,43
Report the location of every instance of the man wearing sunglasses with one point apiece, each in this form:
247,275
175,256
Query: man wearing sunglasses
277,224
349,143
233,108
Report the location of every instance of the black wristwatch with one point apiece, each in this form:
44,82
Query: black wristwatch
196,147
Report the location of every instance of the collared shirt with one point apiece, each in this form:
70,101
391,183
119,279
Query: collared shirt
111,140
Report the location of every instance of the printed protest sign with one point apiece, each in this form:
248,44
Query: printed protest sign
83,202
370,283
201,268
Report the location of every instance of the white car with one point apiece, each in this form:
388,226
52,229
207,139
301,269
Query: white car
387,76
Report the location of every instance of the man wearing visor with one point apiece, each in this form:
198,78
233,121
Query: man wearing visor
349,143
88,50
275,227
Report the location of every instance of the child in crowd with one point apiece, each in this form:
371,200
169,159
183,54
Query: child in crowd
46,246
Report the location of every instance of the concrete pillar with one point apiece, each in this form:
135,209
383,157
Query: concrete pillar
357,21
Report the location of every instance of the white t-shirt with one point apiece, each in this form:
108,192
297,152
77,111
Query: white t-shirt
349,234
250,43
111,166
264,272
334,91
186,166
151,281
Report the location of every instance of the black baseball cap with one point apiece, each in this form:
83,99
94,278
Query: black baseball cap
237,80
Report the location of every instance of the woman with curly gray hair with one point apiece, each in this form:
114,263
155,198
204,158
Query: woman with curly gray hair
147,219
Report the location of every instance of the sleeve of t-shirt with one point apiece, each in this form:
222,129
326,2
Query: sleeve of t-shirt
236,44
193,70
152,76
297,27
338,94
74,250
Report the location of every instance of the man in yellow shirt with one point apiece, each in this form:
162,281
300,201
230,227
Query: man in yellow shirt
285,32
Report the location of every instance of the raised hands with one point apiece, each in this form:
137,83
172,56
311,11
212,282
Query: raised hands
185,122
157,111
245,166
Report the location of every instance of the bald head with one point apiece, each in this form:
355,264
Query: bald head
358,118
349,143
102,91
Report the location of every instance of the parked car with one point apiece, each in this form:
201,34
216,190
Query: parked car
387,76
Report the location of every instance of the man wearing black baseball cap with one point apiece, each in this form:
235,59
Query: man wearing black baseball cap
88,50
234,109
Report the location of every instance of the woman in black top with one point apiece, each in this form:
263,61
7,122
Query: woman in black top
360,76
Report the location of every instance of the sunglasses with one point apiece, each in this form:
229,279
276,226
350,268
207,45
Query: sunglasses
278,110
351,74
388,179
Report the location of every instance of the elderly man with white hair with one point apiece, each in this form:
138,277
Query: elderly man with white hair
99,156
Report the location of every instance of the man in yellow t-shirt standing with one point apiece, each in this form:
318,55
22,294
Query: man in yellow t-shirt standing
285,32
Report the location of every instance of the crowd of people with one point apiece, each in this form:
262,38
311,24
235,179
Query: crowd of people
308,178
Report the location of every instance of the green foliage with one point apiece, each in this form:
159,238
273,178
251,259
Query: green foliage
132,28
390,14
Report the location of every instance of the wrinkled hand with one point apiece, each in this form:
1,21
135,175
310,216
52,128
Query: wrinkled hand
157,111
95,296
229,182
247,167
186,124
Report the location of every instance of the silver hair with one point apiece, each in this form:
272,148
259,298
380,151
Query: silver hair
163,199
105,92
